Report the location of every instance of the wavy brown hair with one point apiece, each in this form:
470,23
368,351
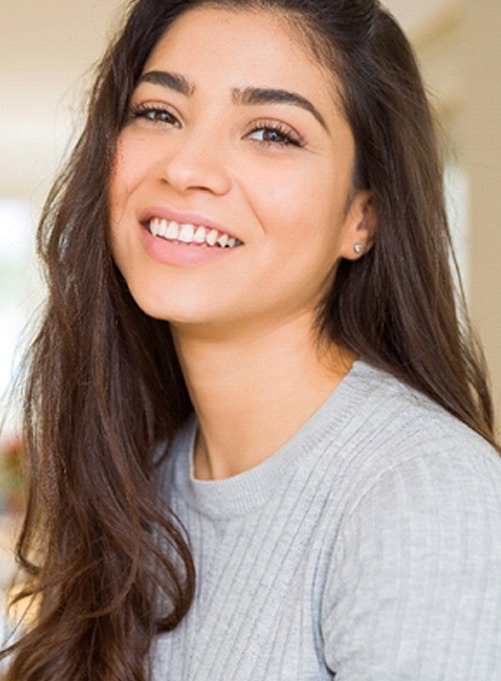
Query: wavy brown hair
109,564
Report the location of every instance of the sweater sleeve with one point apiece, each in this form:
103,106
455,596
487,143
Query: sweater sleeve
413,591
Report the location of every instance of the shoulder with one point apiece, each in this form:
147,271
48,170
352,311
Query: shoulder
406,475
398,434
417,484
418,547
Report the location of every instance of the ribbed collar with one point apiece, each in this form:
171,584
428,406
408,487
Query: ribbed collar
249,490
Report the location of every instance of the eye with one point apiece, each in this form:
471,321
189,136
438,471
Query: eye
275,134
155,114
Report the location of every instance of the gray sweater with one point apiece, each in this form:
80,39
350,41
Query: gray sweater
368,548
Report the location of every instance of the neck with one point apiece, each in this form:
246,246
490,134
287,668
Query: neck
252,392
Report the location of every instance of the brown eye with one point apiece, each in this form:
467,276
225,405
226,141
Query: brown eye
274,135
155,115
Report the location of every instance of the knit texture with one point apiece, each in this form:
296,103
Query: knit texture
368,548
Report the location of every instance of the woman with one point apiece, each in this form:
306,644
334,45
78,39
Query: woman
261,447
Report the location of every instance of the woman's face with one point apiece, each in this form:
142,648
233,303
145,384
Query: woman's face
231,197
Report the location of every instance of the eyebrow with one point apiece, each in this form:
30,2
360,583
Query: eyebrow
245,96
174,81
253,95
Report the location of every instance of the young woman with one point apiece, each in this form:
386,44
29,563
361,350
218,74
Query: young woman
260,440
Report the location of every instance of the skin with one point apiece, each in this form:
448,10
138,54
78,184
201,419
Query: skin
244,321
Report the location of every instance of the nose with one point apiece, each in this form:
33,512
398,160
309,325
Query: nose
196,162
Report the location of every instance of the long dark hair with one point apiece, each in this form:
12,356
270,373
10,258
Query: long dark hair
110,566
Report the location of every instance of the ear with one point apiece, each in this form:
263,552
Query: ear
360,226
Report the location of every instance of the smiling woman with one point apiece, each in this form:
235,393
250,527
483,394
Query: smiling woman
261,444
235,153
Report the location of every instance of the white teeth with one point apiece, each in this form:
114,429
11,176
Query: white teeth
172,231
199,236
212,237
162,227
154,226
188,233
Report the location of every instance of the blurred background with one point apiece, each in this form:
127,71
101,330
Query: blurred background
47,51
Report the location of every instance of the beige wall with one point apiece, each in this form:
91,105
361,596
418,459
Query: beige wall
481,136
460,53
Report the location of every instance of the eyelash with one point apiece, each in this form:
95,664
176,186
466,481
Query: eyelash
285,137
150,113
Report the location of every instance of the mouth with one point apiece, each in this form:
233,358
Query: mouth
188,234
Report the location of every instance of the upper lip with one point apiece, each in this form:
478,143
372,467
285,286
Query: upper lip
182,219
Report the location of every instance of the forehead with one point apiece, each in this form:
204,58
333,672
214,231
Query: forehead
246,46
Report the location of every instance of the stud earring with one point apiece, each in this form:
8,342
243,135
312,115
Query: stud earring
358,248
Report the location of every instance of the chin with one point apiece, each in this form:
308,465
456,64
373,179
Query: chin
171,309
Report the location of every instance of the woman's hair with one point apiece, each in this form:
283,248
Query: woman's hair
110,565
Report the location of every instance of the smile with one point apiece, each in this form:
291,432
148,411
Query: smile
186,233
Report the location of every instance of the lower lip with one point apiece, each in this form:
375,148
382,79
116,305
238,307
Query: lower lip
184,255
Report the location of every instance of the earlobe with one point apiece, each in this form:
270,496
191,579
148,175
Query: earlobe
362,227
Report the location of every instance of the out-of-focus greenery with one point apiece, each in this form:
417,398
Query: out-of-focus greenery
12,478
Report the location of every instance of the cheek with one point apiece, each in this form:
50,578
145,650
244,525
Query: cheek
124,179
293,203
130,168
279,197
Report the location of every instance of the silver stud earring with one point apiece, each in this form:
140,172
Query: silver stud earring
358,248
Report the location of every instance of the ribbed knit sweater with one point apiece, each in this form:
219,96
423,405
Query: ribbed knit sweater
368,548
